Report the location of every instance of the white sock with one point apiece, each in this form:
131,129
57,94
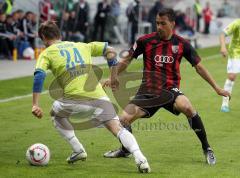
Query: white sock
65,129
228,87
130,143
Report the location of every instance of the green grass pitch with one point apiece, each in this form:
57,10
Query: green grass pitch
171,147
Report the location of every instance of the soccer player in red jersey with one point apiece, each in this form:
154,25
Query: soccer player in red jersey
162,54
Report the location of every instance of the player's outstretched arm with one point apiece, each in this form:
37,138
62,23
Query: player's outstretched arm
223,49
39,77
112,63
123,63
203,72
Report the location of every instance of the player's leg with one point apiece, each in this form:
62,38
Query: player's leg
66,130
106,114
228,86
130,113
142,105
233,67
183,105
130,143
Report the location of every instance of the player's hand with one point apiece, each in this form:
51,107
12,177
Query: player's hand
222,92
114,84
224,52
106,83
37,111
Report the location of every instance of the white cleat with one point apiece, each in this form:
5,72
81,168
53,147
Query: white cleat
143,167
118,153
210,157
225,109
76,156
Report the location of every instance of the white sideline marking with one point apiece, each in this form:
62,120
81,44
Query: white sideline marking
19,97
45,92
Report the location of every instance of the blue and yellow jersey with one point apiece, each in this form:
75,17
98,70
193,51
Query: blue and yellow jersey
71,64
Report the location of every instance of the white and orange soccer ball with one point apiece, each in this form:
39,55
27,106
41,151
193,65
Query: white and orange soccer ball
38,154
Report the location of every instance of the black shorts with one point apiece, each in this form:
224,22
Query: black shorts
151,103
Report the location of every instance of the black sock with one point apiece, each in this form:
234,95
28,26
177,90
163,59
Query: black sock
197,125
129,128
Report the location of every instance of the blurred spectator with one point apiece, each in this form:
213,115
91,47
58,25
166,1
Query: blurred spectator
28,28
144,14
13,29
65,26
189,18
9,24
74,33
46,10
69,26
225,9
198,13
207,14
9,6
81,22
112,21
115,9
3,7
18,20
21,15
61,6
58,7
70,5
16,23
153,13
6,6
182,26
100,20
6,39
132,13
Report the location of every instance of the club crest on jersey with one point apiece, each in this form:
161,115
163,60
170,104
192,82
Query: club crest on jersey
175,48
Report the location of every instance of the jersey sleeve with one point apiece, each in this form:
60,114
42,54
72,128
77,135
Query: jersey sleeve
137,49
43,63
98,48
191,54
231,27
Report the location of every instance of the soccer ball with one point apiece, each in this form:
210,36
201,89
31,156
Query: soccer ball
38,154
28,53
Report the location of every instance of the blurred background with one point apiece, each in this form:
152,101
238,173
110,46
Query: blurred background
115,21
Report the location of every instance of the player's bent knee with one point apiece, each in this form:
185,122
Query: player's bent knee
188,110
126,119
184,105
114,126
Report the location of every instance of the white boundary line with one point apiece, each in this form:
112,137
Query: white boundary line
45,92
19,97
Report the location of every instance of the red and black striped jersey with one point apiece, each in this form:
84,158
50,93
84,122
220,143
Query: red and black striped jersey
161,59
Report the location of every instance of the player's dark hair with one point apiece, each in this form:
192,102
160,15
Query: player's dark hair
49,30
168,12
